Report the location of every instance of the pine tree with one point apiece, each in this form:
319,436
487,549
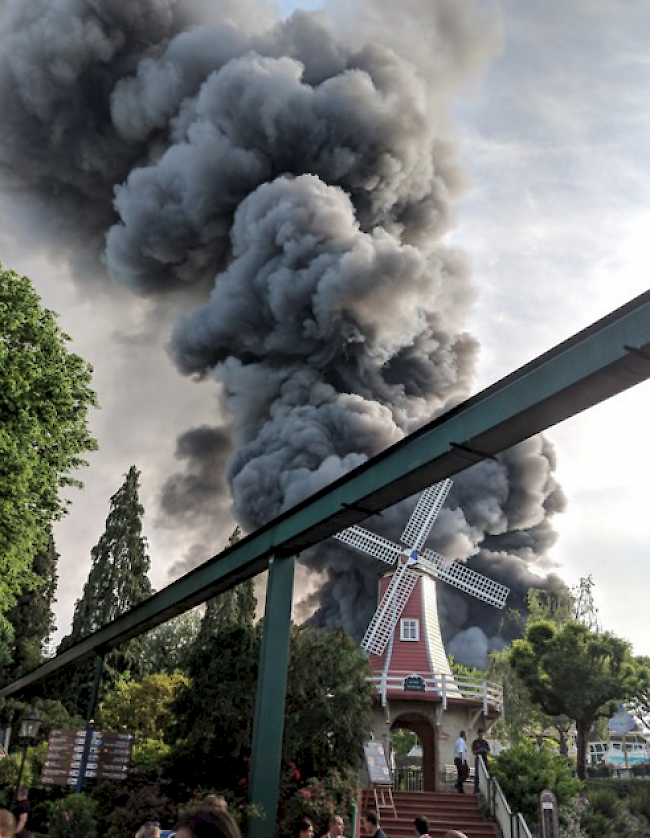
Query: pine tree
235,607
32,618
118,581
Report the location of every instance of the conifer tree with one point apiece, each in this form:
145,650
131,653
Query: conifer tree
32,617
235,607
118,579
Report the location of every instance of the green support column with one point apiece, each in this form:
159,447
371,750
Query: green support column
268,728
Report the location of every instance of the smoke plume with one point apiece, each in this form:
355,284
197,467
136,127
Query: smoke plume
287,189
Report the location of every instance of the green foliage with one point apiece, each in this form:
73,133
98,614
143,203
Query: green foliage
639,801
149,802
44,402
328,708
167,647
607,816
402,741
143,708
10,767
523,771
32,617
150,756
316,799
118,581
73,816
575,672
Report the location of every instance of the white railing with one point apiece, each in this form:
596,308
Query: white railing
512,824
489,694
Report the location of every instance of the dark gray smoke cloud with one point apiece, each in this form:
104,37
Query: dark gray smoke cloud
295,186
196,499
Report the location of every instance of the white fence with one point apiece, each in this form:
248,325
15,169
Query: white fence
512,824
489,694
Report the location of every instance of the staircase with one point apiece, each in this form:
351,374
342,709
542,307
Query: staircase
443,810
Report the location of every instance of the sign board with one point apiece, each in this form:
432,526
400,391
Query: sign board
548,815
377,764
414,683
109,756
622,723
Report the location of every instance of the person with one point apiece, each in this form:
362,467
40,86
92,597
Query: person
7,824
371,825
454,833
480,748
20,811
207,823
303,829
460,761
150,829
334,827
421,825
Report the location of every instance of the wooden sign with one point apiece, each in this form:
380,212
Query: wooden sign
108,756
379,773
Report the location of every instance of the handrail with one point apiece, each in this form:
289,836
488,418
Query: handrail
486,692
512,824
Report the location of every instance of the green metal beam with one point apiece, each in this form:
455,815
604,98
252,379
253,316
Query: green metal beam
605,359
268,727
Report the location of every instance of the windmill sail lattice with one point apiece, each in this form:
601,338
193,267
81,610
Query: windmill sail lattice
411,562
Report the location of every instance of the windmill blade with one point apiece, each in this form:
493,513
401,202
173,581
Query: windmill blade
391,606
464,578
425,513
367,542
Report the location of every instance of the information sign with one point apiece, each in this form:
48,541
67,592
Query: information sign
377,764
108,757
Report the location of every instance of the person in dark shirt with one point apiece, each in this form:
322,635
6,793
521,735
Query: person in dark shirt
371,825
20,811
480,748
421,825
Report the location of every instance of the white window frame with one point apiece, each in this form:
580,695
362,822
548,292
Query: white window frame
409,629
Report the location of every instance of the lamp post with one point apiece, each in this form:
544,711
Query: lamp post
29,728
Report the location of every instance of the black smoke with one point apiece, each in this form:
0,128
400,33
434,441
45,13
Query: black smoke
296,186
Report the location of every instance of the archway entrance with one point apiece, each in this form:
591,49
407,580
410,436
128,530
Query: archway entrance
418,771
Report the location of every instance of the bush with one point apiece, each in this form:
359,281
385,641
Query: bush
639,801
73,817
523,771
317,799
10,766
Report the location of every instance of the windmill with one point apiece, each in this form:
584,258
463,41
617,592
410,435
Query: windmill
411,560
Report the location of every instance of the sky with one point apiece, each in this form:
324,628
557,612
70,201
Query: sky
553,135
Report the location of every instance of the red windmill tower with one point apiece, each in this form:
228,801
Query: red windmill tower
407,656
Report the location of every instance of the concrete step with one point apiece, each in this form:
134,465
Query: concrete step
443,810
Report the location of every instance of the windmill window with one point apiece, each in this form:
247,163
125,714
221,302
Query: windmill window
409,630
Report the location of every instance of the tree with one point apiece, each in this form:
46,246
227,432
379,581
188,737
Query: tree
328,708
44,402
167,647
32,617
572,671
118,581
143,708
524,770
119,576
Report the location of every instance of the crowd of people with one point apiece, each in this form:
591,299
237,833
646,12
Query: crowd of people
211,819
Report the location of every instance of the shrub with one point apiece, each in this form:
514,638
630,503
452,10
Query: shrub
639,801
317,799
9,768
73,817
523,771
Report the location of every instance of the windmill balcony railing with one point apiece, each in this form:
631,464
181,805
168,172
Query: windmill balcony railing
489,694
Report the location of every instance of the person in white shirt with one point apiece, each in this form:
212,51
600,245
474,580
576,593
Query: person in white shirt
334,827
460,761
